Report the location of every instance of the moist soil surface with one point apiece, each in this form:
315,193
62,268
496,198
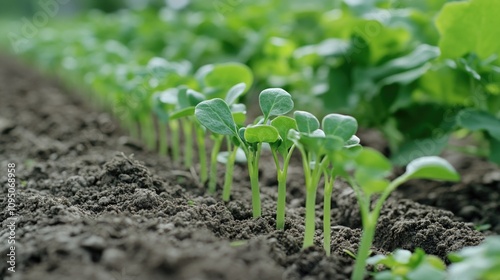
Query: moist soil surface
92,203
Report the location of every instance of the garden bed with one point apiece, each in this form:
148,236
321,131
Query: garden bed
94,204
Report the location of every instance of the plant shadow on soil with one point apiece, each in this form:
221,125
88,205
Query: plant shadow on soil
93,204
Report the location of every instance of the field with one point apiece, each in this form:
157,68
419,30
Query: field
108,189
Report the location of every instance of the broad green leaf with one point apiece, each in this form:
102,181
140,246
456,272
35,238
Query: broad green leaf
474,120
418,148
169,96
372,163
306,122
352,142
239,118
182,113
234,93
194,97
340,125
275,102
216,116
223,76
239,113
261,133
469,26
320,144
283,124
431,167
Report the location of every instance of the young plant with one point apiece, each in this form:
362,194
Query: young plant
283,148
319,149
403,265
479,262
216,116
371,168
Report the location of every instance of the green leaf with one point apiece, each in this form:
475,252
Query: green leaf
495,151
306,122
216,116
431,167
340,125
417,148
373,163
261,133
234,93
275,102
224,76
352,142
283,124
182,113
475,120
469,26
194,97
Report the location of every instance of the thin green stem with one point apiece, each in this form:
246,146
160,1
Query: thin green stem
147,131
282,175
187,129
253,168
228,180
327,201
364,249
212,181
175,140
310,217
369,225
163,139
202,154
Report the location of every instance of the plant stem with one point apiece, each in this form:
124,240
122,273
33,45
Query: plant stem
212,181
369,220
175,139
147,131
253,169
187,128
228,180
200,139
327,201
364,249
282,175
163,145
310,217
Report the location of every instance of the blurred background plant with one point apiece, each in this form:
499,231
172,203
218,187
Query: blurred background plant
418,71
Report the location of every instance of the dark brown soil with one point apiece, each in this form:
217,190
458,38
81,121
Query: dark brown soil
94,204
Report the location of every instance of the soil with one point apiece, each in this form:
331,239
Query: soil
92,203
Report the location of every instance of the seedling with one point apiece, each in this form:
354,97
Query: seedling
321,148
479,262
371,168
216,116
404,265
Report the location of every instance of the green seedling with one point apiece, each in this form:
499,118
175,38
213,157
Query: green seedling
283,148
321,150
217,116
479,262
164,103
403,265
370,170
274,102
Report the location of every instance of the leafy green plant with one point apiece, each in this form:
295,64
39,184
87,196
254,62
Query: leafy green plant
319,149
479,262
216,116
368,179
403,265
